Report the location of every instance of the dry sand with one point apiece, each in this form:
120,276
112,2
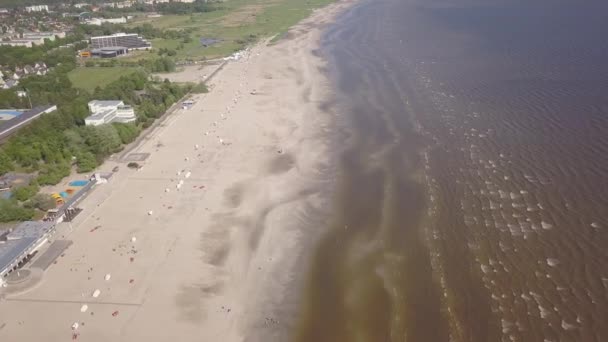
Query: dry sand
223,258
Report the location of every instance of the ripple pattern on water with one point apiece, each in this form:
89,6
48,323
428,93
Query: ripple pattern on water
506,126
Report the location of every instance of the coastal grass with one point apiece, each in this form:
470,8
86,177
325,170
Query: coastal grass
237,24
89,78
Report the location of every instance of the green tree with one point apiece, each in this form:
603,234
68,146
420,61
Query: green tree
6,164
126,132
86,162
42,202
23,193
11,211
52,174
102,140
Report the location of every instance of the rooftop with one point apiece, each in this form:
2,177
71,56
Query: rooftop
106,103
12,249
120,34
8,114
30,229
8,127
99,115
21,240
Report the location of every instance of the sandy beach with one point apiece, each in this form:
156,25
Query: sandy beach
209,240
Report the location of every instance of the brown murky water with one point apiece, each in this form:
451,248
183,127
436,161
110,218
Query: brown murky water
473,199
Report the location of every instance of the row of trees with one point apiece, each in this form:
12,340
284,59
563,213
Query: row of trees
162,64
198,6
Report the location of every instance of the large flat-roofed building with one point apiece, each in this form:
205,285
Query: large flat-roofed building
22,118
128,40
103,112
17,245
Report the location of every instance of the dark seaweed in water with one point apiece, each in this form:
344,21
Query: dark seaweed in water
473,196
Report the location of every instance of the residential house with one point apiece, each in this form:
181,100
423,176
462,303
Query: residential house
10,83
39,69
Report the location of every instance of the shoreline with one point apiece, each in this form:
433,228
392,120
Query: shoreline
222,258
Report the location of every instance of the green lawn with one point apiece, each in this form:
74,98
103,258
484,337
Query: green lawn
89,78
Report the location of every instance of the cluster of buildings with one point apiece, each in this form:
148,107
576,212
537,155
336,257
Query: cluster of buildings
29,39
123,4
10,79
104,112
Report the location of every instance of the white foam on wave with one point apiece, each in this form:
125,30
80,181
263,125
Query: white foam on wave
567,326
546,225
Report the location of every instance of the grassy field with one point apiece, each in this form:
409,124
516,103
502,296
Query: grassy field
238,23
89,78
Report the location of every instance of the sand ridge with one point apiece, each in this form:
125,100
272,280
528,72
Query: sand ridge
223,214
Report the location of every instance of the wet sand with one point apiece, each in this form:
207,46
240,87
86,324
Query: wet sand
209,239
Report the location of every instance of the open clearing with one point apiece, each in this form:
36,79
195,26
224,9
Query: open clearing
89,78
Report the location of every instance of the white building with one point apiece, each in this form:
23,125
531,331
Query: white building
100,21
37,8
43,35
103,112
124,4
19,42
